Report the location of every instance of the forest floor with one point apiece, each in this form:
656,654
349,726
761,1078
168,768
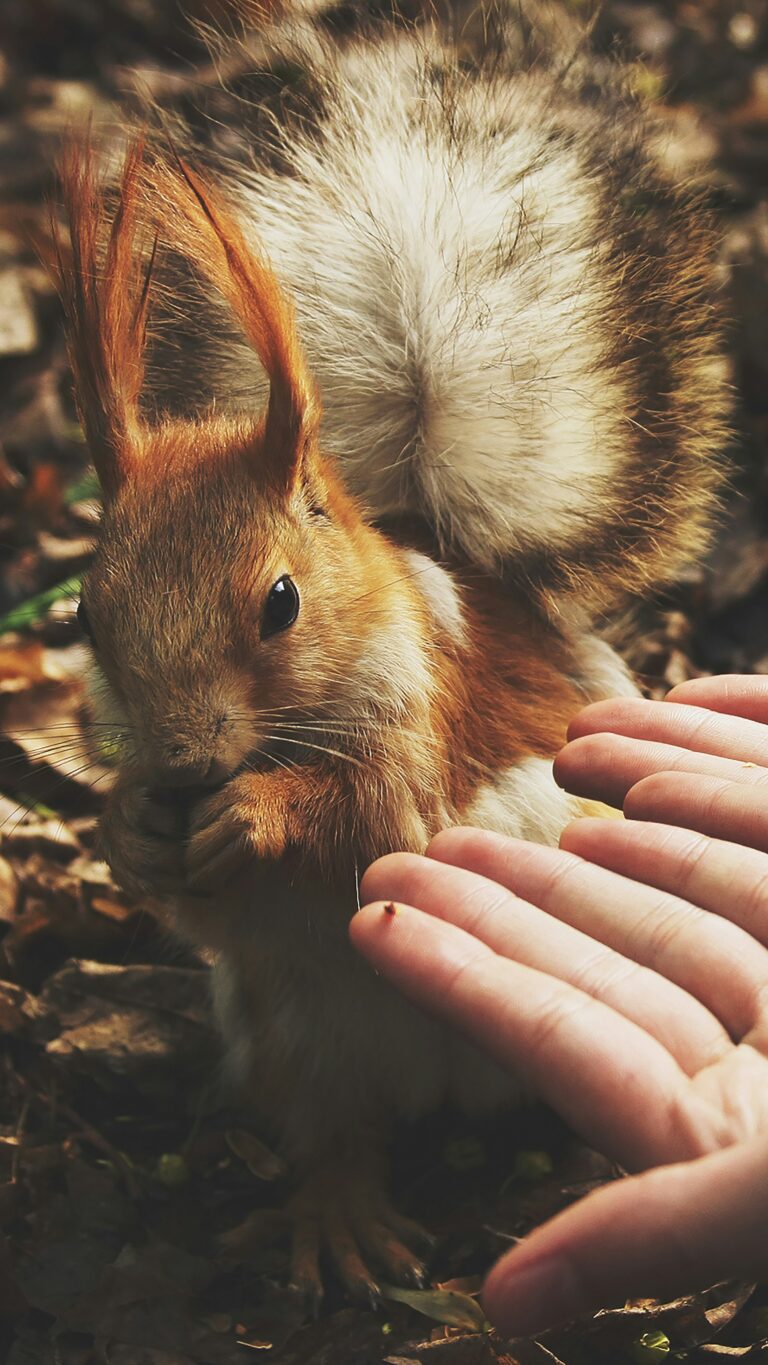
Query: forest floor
120,1166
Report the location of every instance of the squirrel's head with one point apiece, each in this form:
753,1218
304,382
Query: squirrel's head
236,593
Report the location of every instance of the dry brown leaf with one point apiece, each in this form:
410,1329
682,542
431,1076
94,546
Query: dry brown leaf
724,1313
144,1025
444,1305
16,1009
22,664
457,1350
52,838
261,1162
758,1351
9,890
112,910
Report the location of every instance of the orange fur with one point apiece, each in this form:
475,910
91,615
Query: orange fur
371,723
472,710
207,232
105,289
105,285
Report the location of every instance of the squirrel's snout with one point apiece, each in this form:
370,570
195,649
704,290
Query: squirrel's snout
203,751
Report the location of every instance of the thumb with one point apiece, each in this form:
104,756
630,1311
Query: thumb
669,1231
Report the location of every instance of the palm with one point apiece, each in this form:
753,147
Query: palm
642,1017
626,976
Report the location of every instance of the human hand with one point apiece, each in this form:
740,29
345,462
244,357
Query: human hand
642,755
642,1017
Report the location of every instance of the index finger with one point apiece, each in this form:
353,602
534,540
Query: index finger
695,728
733,695
613,1083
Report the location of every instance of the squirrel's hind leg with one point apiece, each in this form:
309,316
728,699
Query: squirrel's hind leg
341,1210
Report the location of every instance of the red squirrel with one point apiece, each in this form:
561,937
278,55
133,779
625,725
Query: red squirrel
323,639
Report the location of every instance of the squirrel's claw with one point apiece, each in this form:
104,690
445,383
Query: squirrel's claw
349,1217
349,1223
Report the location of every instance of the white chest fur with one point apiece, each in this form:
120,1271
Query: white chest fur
295,997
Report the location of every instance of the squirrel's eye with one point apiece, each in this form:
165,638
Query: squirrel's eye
282,606
82,616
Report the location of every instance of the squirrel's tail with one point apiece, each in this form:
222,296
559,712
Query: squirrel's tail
508,305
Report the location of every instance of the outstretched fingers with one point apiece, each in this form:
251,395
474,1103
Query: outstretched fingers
715,806
712,961
725,878
608,1078
516,929
605,765
733,694
615,744
694,728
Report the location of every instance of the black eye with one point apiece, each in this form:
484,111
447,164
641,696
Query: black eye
82,616
282,606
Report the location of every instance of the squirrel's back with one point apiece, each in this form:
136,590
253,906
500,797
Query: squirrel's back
506,302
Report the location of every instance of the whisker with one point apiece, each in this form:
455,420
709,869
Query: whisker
27,810
403,578
55,753
320,748
272,758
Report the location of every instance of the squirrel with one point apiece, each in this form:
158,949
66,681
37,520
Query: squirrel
450,384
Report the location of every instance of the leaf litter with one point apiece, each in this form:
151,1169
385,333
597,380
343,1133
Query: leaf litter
124,1175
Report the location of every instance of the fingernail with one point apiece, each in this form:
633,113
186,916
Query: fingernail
522,1302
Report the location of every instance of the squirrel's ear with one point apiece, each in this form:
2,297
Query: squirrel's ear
104,282
208,233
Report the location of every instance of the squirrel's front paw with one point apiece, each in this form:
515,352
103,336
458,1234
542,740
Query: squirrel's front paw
242,822
142,837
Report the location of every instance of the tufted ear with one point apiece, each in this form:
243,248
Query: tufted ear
104,282
206,230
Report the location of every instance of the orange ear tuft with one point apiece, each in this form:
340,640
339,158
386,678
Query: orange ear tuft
104,286
207,231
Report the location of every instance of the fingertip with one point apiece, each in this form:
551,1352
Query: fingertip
574,761
603,715
583,723
653,796
523,1296
368,922
738,694
461,844
689,690
580,834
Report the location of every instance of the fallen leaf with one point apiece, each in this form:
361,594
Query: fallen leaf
9,890
18,326
261,1162
723,1313
16,1009
758,1351
143,1025
50,837
444,1305
21,664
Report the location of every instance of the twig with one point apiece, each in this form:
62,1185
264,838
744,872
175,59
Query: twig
19,1135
